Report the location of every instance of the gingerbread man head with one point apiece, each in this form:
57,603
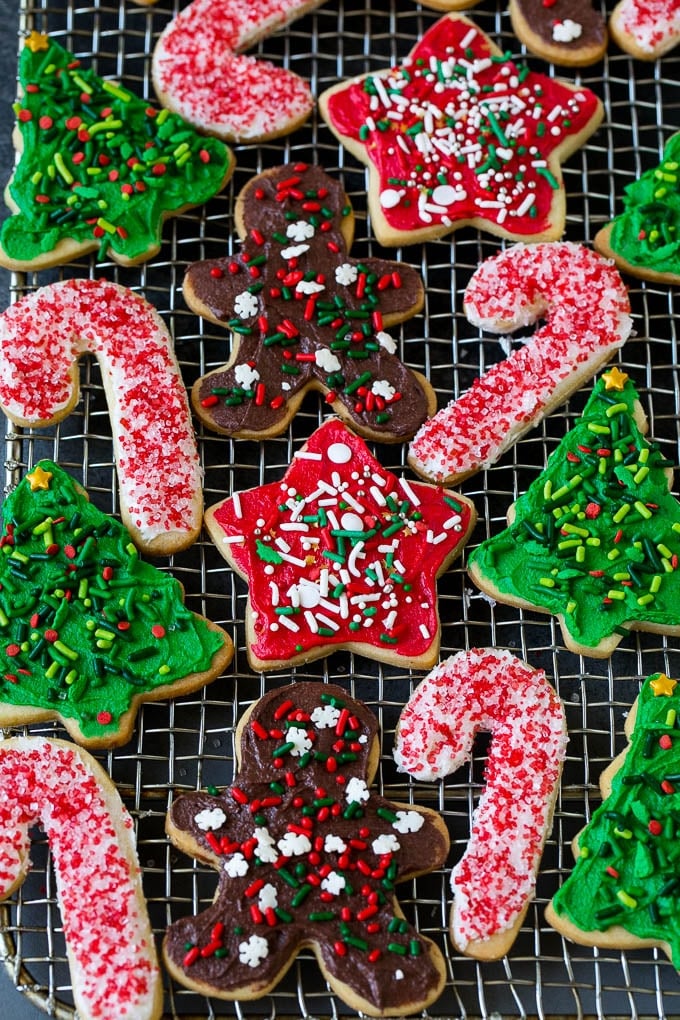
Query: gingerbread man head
308,856
306,315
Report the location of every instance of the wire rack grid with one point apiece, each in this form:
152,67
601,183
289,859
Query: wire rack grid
188,743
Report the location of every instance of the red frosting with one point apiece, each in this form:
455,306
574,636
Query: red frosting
341,552
458,132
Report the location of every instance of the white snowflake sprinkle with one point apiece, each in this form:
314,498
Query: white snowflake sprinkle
309,287
268,897
300,230
245,376
334,844
294,844
266,847
297,735
210,818
346,274
254,951
356,791
382,388
385,844
325,717
386,341
246,305
294,251
333,883
408,821
326,360
236,866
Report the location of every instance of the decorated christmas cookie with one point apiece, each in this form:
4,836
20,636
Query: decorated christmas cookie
306,316
109,941
585,304
89,631
99,169
623,891
568,32
200,71
644,240
487,689
647,29
41,338
460,134
596,538
341,554
307,856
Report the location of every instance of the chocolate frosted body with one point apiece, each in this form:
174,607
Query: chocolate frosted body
308,857
306,316
569,32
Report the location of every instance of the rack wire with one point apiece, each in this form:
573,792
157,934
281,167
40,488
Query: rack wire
188,743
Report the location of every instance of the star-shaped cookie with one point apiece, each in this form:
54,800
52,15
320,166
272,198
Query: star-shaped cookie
308,855
341,554
460,134
306,315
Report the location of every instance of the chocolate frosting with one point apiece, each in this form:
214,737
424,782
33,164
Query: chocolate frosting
294,291
541,18
316,867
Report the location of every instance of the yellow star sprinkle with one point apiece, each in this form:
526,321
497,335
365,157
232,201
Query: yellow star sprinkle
37,41
615,379
39,478
662,684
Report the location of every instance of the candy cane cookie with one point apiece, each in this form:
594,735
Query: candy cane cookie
487,689
41,338
109,941
200,72
585,304
646,29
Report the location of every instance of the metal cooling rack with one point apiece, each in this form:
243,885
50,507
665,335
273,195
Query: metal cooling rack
188,743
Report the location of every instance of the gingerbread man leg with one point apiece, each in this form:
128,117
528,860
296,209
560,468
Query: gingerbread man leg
487,689
41,338
306,315
308,856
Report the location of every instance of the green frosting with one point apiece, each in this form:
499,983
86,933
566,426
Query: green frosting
98,165
627,873
596,538
647,234
85,625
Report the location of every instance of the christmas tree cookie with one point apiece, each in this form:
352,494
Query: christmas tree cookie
99,169
596,538
88,631
623,891
644,240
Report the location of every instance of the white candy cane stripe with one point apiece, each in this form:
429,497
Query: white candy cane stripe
41,338
585,303
490,690
199,70
114,970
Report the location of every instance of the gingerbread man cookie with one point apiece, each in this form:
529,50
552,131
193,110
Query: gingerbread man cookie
307,856
460,135
306,316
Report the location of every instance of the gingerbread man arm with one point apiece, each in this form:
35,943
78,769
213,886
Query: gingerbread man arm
306,316
307,857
